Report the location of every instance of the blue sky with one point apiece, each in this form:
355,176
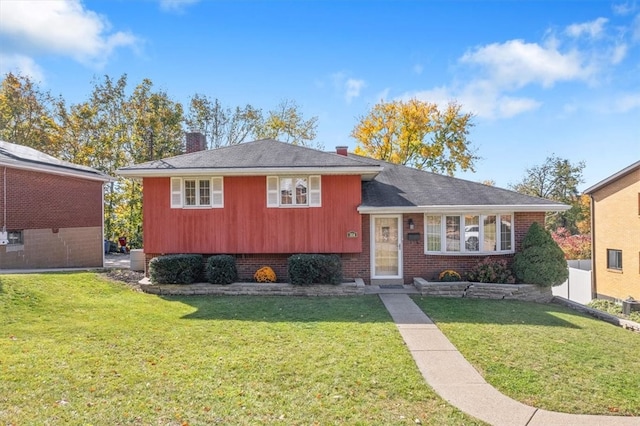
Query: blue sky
542,77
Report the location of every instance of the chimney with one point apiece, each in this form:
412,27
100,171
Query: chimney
341,150
196,141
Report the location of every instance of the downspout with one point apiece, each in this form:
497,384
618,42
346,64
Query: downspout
4,199
594,284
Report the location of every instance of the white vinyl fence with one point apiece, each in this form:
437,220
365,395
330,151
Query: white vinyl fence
578,287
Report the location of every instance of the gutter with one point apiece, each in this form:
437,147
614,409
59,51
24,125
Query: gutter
492,208
43,168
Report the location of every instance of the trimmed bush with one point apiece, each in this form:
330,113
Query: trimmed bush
449,275
541,260
265,275
175,269
221,269
306,269
490,270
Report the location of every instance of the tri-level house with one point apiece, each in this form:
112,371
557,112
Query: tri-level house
265,200
615,233
51,211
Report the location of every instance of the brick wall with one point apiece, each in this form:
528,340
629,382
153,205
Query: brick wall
65,248
37,200
616,216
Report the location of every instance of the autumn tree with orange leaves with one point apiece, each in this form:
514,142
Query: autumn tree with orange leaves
417,134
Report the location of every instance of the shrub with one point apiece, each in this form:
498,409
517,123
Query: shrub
265,275
305,269
613,308
541,260
449,275
221,269
490,270
175,269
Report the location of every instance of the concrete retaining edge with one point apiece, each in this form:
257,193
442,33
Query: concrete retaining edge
254,289
524,292
604,316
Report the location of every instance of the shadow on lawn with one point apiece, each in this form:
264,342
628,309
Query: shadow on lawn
501,312
354,309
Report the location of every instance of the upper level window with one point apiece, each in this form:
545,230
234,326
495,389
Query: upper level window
470,233
293,191
614,259
197,192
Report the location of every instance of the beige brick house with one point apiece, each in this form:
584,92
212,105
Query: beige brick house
615,230
51,211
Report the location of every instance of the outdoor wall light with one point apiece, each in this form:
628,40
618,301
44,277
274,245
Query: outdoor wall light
411,225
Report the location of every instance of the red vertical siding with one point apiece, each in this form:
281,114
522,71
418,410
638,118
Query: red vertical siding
246,225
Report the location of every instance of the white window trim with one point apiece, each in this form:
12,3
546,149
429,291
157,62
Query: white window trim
314,191
463,251
177,188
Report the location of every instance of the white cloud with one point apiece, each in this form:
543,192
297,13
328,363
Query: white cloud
515,64
593,29
353,87
619,53
60,27
627,102
382,95
623,8
176,5
635,29
20,64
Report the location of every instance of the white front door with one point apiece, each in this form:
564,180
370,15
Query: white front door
386,247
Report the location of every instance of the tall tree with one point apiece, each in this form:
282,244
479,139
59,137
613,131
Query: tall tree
557,179
287,124
27,114
221,125
417,134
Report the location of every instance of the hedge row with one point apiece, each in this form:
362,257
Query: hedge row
304,269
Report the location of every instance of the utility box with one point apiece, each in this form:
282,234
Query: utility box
629,306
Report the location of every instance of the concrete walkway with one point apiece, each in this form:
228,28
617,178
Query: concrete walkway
455,380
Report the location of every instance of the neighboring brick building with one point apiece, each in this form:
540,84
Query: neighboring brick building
265,200
50,211
615,230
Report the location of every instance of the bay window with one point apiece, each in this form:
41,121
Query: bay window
469,233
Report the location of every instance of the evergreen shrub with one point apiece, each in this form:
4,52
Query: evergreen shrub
175,269
221,269
541,260
305,269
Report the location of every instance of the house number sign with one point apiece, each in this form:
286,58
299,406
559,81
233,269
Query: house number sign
352,234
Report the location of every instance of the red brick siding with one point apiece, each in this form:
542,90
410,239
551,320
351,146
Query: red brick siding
39,200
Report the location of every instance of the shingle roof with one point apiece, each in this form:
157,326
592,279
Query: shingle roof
404,187
385,186
265,153
24,156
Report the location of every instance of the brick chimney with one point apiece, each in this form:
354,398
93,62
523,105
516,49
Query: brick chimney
341,150
196,141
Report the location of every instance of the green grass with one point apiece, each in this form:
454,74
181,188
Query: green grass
547,356
77,349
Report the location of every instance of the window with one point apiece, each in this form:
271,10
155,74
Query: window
614,259
469,233
15,237
293,191
197,192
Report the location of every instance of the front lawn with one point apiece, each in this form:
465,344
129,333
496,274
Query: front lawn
77,349
546,356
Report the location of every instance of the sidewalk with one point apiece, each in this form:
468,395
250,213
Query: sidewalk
455,380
